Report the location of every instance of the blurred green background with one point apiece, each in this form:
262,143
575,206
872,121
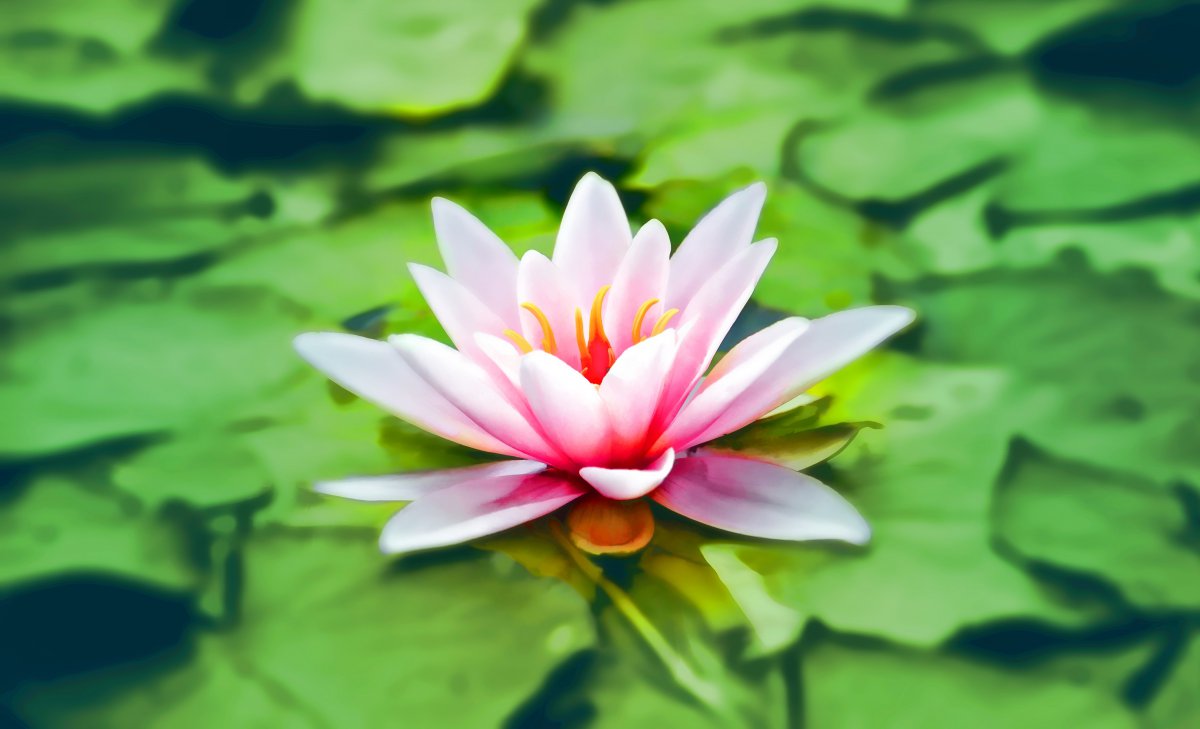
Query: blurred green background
186,184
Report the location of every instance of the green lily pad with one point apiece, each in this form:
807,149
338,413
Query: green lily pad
201,469
1057,331
330,636
61,525
1124,529
924,484
858,688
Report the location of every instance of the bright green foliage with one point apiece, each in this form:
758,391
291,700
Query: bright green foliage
186,185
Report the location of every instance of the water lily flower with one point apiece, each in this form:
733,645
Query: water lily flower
591,369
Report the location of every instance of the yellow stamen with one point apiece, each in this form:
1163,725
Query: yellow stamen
640,317
661,324
521,342
597,321
584,358
548,343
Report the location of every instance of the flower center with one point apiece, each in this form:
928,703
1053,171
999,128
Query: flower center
596,354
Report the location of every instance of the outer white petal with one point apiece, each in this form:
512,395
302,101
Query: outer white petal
477,258
724,232
473,509
416,484
465,384
629,483
593,238
459,312
374,371
568,407
759,499
830,343
730,380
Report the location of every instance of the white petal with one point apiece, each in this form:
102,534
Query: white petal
725,231
466,385
629,483
374,371
503,355
568,407
472,509
641,276
730,380
830,343
759,499
415,484
632,388
477,258
593,238
456,308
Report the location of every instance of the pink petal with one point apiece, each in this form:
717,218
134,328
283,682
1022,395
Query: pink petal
629,483
593,237
476,508
632,388
641,276
459,312
503,356
416,484
568,407
376,372
830,343
759,499
731,378
723,232
477,258
541,283
469,388
708,318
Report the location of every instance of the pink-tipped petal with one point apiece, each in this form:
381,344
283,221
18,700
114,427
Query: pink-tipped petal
475,508
829,343
725,231
374,371
708,318
759,499
568,407
642,276
469,388
459,312
542,284
593,237
477,258
416,484
629,483
632,388
729,380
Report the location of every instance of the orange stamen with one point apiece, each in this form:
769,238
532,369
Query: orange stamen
661,324
521,342
548,343
640,317
597,321
580,341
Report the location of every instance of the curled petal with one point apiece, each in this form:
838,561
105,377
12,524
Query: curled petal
477,258
374,371
759,499
641,277
542,284
416,484
632,388
629,483
593,237
475,508
459,312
